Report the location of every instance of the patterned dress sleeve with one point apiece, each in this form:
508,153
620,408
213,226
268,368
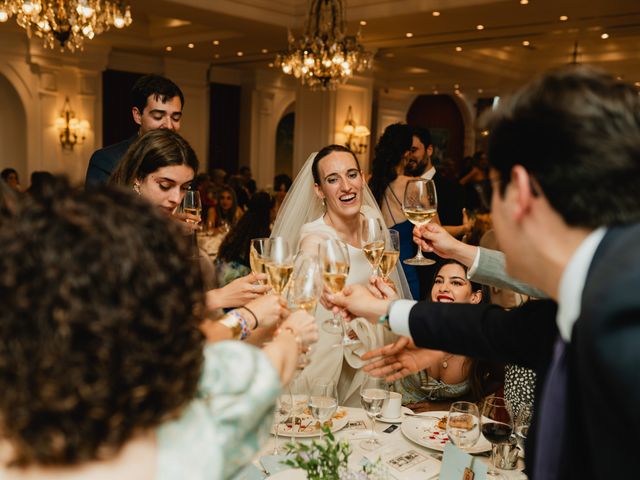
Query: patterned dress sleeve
220,431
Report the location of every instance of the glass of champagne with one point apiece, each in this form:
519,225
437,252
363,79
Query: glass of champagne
305,289
323,399
282,413
372,240
373,393
299,391
497,427
420,206
258,253
463,424
279,264
192,204
391,254
334,261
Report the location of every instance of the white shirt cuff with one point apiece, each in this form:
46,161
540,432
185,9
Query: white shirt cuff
474,266
399,316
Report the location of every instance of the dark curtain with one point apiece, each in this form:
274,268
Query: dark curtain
224,137
117,122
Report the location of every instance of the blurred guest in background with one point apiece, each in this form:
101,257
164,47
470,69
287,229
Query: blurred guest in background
227,211
10,176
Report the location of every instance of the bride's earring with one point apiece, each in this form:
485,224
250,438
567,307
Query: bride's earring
324,203
136,188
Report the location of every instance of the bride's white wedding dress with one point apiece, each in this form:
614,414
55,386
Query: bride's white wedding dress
301,221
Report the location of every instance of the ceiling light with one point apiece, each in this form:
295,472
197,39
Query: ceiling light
435,13
526,43
457,92
216,42
604,36
389,54
264,50
191,45
217,55
168,48
637,84
563,18
458,49
240,54
270,64
409,34
456,86
412,88
479,27
480,90
435,92
524,2
363,23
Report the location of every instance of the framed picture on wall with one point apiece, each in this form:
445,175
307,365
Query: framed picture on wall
440,142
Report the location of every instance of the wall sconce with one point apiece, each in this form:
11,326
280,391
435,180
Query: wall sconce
356,134
71,129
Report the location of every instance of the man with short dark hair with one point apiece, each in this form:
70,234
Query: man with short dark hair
565,161
157,102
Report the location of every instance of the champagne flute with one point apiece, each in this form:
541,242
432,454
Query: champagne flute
420,206
258,252
299,390
323,399
334,261
391,254
305,289
463,424
497,427
282,413
279,265
372,240
373,393
192,204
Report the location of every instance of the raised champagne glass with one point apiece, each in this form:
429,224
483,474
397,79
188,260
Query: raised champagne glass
390,255
373,393
420,206
372,240
334,261
497,427
258,254
279,264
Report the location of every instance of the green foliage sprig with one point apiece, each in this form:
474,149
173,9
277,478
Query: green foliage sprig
323,459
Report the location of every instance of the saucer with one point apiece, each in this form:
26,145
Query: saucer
394,420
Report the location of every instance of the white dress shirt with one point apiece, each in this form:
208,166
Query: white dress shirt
428,175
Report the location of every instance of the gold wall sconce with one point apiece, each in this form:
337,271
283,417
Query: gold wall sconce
356,134
72,130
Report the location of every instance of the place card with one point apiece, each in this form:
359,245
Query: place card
406,462
459,465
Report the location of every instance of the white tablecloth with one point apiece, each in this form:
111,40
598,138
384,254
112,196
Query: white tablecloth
390,442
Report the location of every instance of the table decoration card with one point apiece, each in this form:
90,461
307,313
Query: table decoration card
459,465
405,462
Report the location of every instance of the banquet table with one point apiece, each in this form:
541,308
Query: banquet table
392,443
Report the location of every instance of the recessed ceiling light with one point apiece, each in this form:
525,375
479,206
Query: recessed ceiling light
216,42
637,84
456,86
563,18
389,54
480,90
409,34
526,43
412,88
435,13
217,55
240,54
264,50
191,45
524,2
271,65
435,92
458,49
479,27
168,48
363,23
604,36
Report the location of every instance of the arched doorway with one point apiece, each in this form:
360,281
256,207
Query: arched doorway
13,131
284,143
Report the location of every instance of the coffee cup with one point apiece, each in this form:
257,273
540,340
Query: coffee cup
391,408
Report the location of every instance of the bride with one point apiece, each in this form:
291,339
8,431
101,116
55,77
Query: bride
327,200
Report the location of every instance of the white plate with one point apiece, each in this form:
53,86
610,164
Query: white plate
424,431
399,419
308,423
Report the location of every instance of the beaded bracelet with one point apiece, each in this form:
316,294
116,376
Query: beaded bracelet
243,324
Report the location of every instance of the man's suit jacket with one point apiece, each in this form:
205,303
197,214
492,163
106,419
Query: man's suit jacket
105,161
603,358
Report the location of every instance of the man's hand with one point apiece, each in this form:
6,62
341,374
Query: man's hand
381,288
434,238
357,301
399,360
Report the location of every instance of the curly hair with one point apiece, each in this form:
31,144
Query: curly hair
393,144
99,334
253,224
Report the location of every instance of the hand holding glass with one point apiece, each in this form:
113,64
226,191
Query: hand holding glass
420,206
334,262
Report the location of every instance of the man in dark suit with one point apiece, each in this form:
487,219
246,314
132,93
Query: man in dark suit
157,103
565,161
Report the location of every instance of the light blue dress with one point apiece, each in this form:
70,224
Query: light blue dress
222,429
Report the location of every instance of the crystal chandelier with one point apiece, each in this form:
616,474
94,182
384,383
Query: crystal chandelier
68,22
324,56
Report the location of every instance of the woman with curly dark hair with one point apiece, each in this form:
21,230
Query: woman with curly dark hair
387,184
232,261
104,371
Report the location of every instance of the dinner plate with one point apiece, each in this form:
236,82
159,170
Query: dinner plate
399,419
424,431
308,426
